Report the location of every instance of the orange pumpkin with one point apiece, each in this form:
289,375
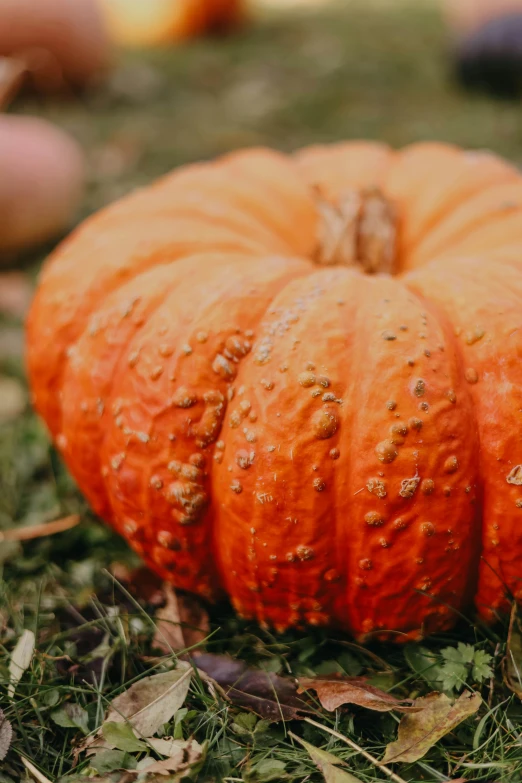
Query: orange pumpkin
297,380
155,22
59,41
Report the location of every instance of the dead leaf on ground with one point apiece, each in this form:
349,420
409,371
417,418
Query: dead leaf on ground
16,292
334,692
327,763
6,735
13,399
420,731
185,754
151,702
21,658
264,693
512,662
180,624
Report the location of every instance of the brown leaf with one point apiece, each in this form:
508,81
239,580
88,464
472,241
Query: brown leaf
327,763
6,735
181,623
419,732
512,662
183,755
334,692
152,701
16,292
264,693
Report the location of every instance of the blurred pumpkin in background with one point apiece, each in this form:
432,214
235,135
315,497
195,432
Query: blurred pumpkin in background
59,42
51,45
137,23
487,44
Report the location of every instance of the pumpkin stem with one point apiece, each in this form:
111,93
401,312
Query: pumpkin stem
360,230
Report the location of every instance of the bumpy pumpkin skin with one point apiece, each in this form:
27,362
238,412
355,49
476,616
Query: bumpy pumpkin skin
325,446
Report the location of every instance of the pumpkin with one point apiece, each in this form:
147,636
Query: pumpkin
59,41
42,182
139,23
487,44
297,381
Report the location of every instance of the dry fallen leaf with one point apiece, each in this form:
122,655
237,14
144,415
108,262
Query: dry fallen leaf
184,754
327,763
512,663
21,658
264,693
151,702
180,624
334,692
420,731
6,735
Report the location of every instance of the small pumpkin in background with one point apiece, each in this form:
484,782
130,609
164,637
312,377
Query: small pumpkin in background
142,23
60,43
487,44
296,380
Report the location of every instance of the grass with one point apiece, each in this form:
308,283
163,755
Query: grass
360,70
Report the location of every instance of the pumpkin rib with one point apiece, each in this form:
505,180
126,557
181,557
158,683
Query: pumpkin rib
347,165
495,382
285,375
276,173
212,181
405,411
172,493
492,237
87,384
488,205
451,186
70,316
